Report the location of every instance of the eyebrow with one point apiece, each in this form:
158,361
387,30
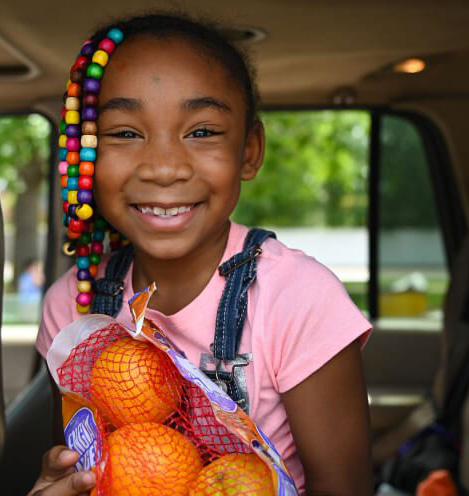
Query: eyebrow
121,103
204,102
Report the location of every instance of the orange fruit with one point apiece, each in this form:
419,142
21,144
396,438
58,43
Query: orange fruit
233,475
133,381
151,459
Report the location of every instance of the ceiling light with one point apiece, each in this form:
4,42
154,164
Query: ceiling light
410,66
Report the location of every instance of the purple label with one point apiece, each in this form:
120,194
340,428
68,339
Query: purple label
80,435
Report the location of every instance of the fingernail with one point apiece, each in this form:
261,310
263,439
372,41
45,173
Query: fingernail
64,455
88,479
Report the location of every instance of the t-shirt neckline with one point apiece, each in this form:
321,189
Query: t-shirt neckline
234,244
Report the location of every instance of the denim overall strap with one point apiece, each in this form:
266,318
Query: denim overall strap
240,272
109,291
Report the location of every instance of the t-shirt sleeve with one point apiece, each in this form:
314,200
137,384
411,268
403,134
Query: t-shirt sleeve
314,319
57,311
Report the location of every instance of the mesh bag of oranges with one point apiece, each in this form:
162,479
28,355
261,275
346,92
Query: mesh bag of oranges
148,422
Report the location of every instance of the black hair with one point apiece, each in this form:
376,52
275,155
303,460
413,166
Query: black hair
180,25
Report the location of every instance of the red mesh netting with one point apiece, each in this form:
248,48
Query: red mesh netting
157,429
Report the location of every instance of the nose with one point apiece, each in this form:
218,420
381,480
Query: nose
164,162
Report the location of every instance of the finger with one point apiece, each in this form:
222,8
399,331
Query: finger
76,484
57,462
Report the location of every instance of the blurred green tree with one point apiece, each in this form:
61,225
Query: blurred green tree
314,172
24,155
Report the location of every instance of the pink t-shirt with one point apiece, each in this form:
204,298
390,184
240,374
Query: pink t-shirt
299,316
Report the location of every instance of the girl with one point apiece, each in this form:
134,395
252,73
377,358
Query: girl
178,132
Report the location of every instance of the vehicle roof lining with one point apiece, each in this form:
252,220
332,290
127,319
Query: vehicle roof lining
340,45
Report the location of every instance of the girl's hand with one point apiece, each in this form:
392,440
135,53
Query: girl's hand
58,477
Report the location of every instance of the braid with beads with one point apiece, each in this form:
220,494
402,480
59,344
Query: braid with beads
78,142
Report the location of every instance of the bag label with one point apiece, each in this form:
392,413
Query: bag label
81,436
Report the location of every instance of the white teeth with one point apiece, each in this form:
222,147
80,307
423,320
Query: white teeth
164,213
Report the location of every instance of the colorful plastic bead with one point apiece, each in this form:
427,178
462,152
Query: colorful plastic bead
84,286
97,247
72,234
73,171
72,211
72,197
93,271
63,181
88,154
89,114
98,236
84,212
107,45
91,85
73,144
62,127
77,76
100,57
82,251
116,35
86,168
76,225
74,90
72,183
85,238
84,196
95,259
73,158
83,262
72,117
81,63
65,207
62,153
72,103
84,298
85,182
83,308
90,100
89,141
62,167
63,112
87,49
72,131
83,275
95,71
89,127
100,224
64,194
62,141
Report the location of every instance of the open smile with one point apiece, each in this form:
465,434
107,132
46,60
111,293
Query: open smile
165,218
164,213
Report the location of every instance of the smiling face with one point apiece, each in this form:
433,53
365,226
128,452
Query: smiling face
173,147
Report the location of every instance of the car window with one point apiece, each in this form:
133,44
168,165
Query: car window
413,274
25,153
314,192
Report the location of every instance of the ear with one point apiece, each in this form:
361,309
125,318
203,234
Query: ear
253,151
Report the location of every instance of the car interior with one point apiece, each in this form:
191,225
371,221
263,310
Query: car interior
386,86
